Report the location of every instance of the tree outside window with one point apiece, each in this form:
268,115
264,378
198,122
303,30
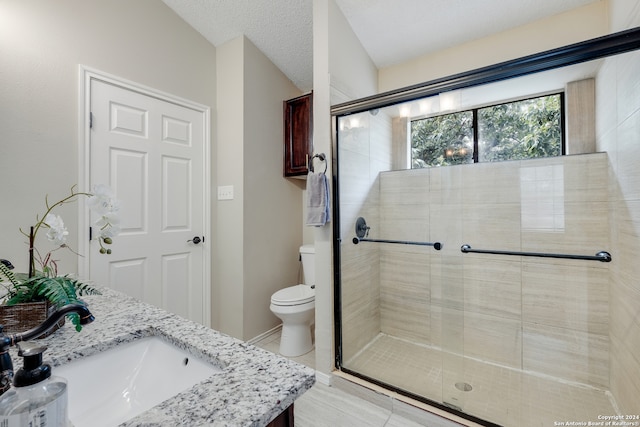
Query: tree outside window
517,130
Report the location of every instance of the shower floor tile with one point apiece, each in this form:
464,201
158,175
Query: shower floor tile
326,406
501,395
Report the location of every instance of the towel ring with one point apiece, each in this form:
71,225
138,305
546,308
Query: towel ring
323,158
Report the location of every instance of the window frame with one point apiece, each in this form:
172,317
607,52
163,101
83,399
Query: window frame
475,127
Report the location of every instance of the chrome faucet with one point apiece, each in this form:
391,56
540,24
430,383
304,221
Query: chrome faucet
6,341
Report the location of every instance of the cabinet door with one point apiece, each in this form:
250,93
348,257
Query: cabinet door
298,135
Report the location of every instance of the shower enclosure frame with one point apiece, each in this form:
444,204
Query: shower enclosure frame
613,44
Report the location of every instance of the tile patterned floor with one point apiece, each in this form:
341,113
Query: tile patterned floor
325,406
503,396
500,395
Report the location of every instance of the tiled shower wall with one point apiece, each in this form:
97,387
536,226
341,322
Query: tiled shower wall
545,315
364,152
539,314
618,133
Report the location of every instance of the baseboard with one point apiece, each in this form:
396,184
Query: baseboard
323,378
265,334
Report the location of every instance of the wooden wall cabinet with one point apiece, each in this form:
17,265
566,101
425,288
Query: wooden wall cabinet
298,135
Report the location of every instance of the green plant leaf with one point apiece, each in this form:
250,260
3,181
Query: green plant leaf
59,290
5,273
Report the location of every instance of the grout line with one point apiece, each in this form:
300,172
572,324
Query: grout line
388,419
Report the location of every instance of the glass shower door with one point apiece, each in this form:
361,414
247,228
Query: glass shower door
523,339
401,316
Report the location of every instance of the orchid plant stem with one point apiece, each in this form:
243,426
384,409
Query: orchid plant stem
34,229
31,258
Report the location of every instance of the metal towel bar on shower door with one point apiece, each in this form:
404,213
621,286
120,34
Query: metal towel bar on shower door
436,245
600,256
362,230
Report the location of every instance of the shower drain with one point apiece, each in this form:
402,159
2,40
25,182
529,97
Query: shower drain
464,386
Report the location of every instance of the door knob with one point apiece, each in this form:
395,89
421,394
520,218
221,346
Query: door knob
196,240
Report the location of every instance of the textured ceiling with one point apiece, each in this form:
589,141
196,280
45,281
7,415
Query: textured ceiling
281,29
391,31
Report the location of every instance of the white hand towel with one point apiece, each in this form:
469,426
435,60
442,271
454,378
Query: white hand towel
317,199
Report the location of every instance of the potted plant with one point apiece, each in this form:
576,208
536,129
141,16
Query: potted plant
31,297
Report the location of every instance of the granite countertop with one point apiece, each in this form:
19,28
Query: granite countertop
254,387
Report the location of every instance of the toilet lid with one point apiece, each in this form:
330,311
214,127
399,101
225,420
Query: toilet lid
294,295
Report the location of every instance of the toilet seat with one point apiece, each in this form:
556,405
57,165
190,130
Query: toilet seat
293,295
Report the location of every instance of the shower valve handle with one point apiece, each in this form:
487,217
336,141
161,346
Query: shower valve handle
362,229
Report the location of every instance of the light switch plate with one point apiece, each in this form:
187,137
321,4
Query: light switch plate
225,192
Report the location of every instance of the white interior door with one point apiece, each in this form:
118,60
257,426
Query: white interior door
151,152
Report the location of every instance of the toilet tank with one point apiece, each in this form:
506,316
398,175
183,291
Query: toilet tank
307,254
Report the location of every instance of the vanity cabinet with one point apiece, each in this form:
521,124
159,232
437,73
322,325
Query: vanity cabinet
285,419
298,135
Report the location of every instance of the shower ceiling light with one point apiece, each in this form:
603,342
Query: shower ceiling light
450,101
405,110
429,105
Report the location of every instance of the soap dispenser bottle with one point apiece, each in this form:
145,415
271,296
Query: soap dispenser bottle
37,398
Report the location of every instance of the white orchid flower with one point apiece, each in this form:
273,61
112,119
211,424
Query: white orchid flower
57,231
102,201
110,218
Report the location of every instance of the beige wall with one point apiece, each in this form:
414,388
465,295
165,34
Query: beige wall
576,25
260,230
229,281
272,204
42,44
617,132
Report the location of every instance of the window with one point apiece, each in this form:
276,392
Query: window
517,130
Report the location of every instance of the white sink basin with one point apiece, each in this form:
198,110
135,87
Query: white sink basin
111,387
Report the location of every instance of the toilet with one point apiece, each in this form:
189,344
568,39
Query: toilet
295,306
